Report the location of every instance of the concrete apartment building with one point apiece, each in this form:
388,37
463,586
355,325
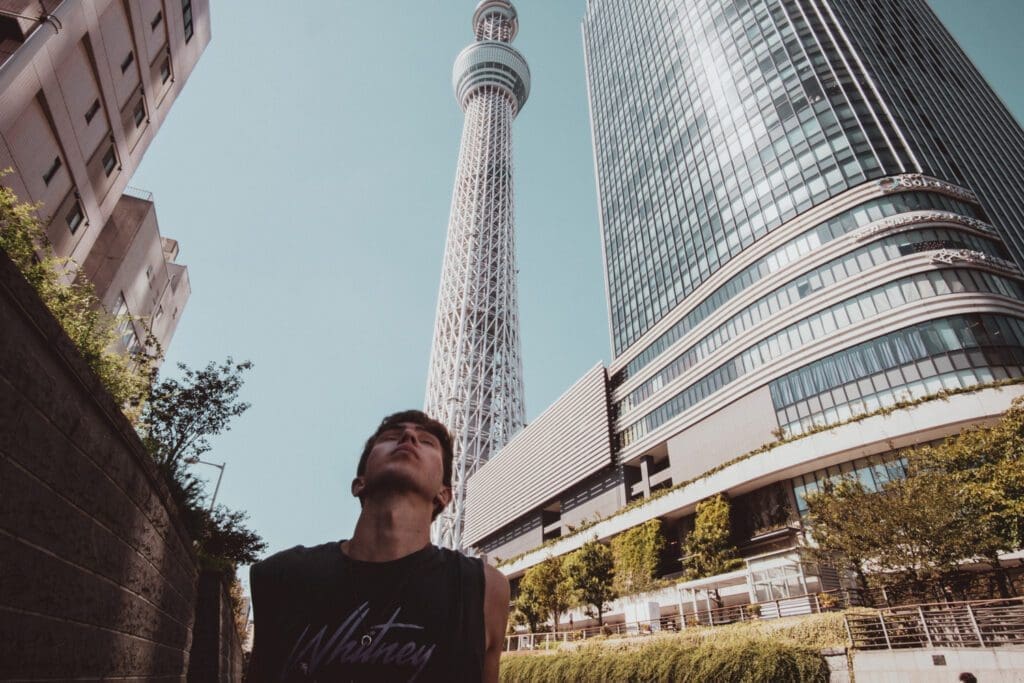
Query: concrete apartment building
85,86
808,213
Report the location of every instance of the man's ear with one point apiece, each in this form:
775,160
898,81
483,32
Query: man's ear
443,497
358,486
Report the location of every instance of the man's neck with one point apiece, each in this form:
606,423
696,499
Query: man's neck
389,530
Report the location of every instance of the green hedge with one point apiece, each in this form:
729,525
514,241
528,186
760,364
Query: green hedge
739,660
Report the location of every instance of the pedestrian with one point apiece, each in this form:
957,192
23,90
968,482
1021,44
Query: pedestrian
385,604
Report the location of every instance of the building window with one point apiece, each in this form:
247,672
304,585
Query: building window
778,583
75,217
109,161
132,343
165,71
872,473
52,171
127,62
140,113
125,330
917,362
186,12
156,20
93,110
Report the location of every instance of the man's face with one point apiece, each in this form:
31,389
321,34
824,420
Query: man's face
404,457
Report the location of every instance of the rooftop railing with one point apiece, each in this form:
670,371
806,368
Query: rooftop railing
139,193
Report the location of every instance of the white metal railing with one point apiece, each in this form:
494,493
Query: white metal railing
772,609
982,623
548,639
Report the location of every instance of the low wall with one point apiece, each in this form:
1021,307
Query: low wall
97,576
989,665
216,647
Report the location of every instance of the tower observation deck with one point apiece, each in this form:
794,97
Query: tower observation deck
475,381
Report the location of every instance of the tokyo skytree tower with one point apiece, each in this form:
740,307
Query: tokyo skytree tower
475,382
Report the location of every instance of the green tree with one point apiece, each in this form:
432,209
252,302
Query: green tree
707,551
72,300
182,414
527,610
591,573
637,554
918,527
545,590
962,499
180,417
985,467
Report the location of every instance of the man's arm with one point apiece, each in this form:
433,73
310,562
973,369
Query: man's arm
496,598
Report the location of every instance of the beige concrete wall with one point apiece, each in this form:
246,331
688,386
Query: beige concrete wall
52,79
154,34
119,50
81,93
35,148
989,665
129,259
12,179
168,313
738,428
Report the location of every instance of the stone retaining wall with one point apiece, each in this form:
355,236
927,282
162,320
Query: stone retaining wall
216,647
97,575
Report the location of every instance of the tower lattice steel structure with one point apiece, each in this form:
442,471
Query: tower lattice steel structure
475,383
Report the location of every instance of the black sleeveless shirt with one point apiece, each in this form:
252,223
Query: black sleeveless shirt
319,615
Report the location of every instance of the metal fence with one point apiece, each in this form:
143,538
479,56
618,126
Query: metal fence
812,603
773,609
551,639
986,623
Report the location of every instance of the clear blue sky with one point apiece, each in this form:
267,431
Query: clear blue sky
307,172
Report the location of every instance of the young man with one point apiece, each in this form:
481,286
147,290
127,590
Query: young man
384,605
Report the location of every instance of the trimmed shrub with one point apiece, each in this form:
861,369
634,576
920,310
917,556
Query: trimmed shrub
734,660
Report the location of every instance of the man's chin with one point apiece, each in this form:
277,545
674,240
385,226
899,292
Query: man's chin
391,482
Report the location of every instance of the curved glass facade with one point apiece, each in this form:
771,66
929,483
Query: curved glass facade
850,312
799,246
950,353
845,267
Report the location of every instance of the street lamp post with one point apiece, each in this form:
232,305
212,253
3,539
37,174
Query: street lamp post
194,460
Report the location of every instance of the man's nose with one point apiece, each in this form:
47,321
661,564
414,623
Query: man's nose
409,435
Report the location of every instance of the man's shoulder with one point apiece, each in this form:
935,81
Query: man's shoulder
287,562
454,557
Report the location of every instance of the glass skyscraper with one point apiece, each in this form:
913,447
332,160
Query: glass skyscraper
738,140
810,212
